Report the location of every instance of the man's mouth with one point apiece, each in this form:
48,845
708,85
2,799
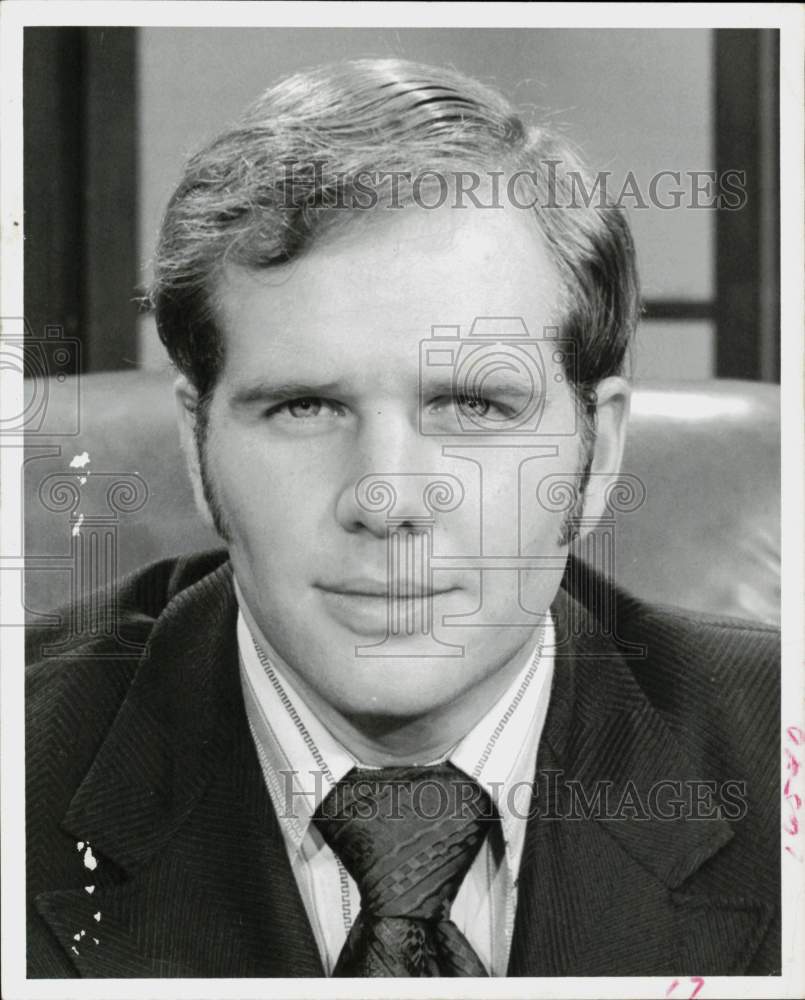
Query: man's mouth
371,607
399,589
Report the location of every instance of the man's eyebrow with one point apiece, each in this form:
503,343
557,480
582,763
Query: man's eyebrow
265,390
498,385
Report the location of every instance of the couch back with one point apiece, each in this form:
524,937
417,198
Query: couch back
696,525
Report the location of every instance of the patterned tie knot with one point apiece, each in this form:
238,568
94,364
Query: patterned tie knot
407,836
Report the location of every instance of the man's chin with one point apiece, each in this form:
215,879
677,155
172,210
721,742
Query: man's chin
403,687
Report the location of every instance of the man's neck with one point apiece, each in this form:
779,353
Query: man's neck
377,740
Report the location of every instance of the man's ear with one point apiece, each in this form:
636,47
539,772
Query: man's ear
186,399
612,414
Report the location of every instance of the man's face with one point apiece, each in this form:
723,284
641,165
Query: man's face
323,386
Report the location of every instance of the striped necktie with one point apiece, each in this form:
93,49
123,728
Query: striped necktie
407,836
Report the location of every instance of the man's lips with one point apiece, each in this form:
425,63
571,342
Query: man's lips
374,608
366,587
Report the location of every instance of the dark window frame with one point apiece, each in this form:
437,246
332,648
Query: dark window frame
80,189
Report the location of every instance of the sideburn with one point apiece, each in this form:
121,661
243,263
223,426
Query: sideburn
201,433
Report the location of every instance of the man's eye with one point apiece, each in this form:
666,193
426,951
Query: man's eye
460,412
475,405
307,407
304,408
478,406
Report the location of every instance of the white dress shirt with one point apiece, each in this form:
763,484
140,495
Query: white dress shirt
301,761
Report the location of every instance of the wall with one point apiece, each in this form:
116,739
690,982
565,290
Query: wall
636,100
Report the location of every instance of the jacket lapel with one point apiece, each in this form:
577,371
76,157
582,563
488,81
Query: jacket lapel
193,878
619,896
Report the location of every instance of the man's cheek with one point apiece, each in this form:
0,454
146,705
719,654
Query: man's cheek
277,521
518,519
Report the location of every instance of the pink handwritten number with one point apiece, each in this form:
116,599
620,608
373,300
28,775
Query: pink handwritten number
699,983
694,979
794,800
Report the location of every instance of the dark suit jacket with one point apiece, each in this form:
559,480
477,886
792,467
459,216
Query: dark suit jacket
148,758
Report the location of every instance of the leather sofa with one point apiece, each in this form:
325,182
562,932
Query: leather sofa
697,523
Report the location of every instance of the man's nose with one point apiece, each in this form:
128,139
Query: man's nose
387,484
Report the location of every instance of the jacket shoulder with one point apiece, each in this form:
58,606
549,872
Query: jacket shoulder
688,656
129,605
78,672
670,648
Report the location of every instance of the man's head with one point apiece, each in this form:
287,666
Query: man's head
305,260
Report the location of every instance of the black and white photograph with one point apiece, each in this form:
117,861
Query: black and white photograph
402,500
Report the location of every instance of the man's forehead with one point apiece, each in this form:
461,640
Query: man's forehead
401,269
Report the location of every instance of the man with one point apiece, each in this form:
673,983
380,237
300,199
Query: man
390,732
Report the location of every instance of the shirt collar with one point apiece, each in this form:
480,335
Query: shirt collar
300,757
500,751
302,760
